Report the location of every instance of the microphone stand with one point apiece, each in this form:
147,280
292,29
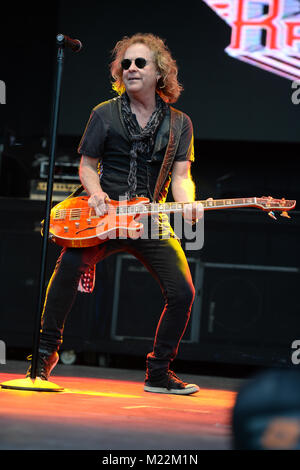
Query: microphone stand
54,126
32,383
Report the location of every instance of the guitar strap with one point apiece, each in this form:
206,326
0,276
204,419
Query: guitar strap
87,280
164,177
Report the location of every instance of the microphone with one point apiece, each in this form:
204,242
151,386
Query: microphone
64,41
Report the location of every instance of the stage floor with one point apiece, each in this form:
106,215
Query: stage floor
107,408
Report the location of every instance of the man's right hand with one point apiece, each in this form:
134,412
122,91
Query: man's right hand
98,201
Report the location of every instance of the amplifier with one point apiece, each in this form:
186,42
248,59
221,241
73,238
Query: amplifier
138,301
61,190
62,170
251,304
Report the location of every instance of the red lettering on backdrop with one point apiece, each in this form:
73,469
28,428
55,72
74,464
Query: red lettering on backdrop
292,37
266,23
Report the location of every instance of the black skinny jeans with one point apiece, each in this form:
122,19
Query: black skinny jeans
164,259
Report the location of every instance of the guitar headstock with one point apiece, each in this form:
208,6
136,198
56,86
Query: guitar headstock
268,203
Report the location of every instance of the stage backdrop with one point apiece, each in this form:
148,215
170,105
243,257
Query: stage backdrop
227,98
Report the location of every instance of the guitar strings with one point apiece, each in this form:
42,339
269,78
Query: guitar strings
130,208
83,210
148,205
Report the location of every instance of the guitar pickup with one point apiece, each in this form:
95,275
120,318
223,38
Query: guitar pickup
75,214
60,214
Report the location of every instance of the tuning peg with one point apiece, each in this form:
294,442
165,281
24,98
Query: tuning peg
285,214
272,215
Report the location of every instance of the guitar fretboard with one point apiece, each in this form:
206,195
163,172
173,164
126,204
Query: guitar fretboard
171,207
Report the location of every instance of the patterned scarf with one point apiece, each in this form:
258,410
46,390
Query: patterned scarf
142,140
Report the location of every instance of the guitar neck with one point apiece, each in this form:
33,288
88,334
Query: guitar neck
171,207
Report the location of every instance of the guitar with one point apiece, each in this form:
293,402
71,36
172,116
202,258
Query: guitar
74,224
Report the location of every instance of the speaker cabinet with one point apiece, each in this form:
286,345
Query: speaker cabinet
20,258
250,311
138,301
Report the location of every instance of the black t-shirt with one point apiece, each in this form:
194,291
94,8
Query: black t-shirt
106,138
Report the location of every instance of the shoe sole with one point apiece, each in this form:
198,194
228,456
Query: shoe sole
174,391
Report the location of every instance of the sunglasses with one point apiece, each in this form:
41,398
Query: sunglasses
139,62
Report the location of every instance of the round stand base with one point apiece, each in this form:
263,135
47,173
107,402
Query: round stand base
36,385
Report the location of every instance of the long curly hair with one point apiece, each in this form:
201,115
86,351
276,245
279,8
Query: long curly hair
167,86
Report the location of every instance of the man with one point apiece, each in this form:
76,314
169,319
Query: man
128,135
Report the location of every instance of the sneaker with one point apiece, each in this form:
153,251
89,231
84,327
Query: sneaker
46,361
170,384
